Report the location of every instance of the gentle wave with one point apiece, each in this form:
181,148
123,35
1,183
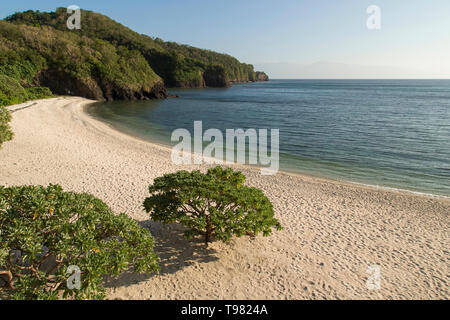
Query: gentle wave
390,133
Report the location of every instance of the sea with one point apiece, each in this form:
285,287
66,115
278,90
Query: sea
386,133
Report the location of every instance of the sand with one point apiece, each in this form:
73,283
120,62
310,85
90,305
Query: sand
333,231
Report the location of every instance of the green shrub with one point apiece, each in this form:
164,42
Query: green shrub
53,230
5,130
216,204
38,93
22,64
11,91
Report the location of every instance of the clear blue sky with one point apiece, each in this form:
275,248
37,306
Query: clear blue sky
414,34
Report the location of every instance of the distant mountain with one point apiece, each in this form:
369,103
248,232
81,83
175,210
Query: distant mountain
330,70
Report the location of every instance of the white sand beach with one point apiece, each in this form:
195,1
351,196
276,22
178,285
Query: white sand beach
333,231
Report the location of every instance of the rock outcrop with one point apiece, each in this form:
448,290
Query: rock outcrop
215,76
96,89
111,92
261,76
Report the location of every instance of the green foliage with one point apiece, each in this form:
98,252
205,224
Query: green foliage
5,130
21,64
179,65
216,204
53,230
11,91
125,68
38,93
70,63
18,67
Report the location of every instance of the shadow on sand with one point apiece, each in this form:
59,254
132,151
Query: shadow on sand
174,251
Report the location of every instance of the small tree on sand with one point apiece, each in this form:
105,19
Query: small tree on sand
46,235
216,205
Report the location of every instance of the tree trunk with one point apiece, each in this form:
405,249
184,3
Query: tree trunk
208,231
10,278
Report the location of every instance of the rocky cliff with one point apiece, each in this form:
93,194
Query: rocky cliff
63,83
215,76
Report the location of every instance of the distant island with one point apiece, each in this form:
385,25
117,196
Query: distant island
105,60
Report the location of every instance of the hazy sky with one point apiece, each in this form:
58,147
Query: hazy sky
414,38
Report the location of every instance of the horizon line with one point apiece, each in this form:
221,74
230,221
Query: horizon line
357,79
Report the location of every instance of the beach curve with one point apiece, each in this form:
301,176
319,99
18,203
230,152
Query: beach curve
334,231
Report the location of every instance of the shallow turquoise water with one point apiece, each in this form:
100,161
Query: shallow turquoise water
393,133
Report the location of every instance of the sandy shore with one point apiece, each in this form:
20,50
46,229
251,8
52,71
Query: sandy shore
333,231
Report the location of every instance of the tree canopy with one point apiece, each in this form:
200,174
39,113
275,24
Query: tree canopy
216,204
46,233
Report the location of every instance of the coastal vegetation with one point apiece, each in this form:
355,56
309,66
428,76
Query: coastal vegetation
5,130
12,91
48,235
56,244
40,56
37,58
178,65
216,205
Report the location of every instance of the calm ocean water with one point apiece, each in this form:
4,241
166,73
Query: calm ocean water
392,133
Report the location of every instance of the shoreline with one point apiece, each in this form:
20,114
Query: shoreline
333,231
280,171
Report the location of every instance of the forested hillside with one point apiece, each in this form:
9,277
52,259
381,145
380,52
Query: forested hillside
178,65
35,58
